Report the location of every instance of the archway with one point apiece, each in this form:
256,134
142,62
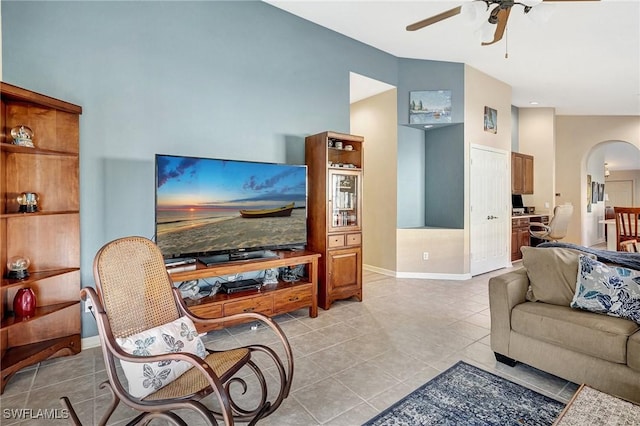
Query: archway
609,164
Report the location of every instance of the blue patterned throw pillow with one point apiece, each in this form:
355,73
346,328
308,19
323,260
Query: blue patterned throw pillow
605,289
177,336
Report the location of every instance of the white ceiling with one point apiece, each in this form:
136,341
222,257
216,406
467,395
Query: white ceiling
585,60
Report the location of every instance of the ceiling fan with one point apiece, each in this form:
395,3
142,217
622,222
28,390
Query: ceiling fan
498,15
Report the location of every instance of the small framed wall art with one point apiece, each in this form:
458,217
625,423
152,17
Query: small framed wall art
589,193
490,120
430,106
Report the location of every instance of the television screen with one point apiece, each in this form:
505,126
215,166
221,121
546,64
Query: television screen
207,206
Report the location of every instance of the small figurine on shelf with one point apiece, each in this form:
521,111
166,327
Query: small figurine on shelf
22,135
28,202
17,267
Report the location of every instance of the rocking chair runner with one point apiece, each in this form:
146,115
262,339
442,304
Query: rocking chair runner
135,295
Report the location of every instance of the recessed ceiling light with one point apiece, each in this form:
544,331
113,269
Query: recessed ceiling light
533,103
428,126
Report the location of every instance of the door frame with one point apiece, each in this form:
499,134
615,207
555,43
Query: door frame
505,217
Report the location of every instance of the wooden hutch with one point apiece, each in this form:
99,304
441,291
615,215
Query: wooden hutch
335,164
49,237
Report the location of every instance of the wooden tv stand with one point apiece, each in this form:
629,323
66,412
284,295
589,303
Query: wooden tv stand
271,300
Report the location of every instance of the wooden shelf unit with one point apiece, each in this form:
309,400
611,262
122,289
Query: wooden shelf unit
272,299
50,237
335,214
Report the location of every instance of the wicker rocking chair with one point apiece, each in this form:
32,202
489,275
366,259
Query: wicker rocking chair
135,294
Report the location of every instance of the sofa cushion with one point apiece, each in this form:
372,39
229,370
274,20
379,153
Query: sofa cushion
593,334
633,352
610,290
552,273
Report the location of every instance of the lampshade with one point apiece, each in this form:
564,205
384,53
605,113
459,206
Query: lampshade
474,13
486,32
541,13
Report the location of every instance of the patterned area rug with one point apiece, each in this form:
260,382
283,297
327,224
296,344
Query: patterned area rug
467,395
592,407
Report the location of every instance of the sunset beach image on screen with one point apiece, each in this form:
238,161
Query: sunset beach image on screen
208,206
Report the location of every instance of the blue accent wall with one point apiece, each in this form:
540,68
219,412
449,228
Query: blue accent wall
225,79
430,189
515,129
411,177
444,175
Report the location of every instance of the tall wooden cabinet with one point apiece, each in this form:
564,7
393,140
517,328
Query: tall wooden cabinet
335,164
49,237
521,173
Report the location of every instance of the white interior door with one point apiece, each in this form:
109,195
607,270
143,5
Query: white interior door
490,212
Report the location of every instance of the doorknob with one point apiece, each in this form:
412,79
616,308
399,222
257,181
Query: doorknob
492,217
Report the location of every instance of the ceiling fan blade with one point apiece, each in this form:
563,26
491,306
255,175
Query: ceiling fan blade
435,18
503,16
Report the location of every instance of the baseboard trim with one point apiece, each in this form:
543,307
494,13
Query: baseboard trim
90,342
419,275
382,271
432,276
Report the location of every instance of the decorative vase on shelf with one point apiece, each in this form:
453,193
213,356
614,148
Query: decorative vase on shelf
24,303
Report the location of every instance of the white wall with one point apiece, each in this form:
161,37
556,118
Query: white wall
483,90
445,248
576,136
537,137
633,176
376,119
449,248
592,231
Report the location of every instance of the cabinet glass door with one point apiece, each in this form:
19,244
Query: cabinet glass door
345,200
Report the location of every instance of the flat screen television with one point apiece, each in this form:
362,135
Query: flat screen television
207,207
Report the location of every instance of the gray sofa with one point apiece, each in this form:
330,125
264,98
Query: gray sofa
579,346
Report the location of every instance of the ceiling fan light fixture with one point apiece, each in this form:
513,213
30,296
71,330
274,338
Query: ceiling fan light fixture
486,32
530,3
493,16
474,12
541,13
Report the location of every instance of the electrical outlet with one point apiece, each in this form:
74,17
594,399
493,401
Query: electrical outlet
425,255
87,305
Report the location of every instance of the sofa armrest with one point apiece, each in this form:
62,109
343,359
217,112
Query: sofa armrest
505,292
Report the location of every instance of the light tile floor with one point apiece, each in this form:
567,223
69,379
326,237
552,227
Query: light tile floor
351,362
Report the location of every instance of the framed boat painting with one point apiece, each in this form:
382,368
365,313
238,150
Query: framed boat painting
430,107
